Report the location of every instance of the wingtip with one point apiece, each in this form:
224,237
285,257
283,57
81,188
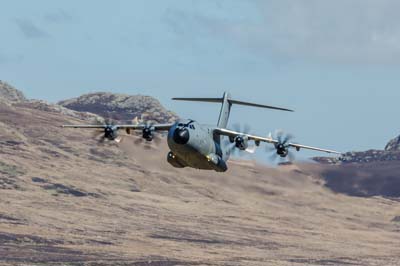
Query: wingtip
287,109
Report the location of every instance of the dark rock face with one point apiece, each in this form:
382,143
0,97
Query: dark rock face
393,145
121,107
11,94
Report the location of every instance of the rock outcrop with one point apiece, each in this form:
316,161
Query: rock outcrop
55,108
14,98
10,94
393,145
361,157
121,107
389,154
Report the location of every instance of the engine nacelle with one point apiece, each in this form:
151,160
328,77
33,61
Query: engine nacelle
282,150
241,142
147,133
110,132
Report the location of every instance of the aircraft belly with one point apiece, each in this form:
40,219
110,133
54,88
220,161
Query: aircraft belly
192,157
194,154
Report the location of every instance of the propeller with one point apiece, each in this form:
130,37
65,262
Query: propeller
148,136
242,128
281,149
239,144
108,133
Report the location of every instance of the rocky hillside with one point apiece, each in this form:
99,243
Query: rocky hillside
10,94
389,154
66,200
121,107
365,174
393,145
369,156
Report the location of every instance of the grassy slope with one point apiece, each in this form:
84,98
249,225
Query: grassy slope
65,199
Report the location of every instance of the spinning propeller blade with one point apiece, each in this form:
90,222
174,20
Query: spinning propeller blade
281,149
231,146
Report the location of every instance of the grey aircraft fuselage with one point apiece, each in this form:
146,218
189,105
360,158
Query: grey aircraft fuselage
195,145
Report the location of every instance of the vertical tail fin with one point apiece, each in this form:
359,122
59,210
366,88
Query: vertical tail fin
225,111
226,106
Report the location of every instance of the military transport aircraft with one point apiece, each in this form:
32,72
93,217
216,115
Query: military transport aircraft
205,147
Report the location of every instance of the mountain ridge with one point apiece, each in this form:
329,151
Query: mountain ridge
92,107
122,107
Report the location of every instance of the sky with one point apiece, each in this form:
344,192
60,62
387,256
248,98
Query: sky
336,63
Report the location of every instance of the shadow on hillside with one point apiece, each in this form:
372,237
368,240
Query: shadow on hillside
378,179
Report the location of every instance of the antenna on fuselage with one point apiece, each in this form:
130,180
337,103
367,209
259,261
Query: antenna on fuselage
227,103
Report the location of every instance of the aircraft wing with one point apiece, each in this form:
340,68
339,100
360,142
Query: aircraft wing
298,147
155,127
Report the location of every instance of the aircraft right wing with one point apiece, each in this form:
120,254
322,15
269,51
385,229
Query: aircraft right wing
298,147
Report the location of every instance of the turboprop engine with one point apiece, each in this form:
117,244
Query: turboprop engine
241,142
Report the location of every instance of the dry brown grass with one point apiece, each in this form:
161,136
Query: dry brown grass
67,204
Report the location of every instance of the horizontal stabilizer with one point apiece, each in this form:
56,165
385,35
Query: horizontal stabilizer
259,105
210,100
231,101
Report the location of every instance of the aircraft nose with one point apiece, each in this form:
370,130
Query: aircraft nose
181,136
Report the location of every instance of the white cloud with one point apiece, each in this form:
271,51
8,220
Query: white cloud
341,31
364,31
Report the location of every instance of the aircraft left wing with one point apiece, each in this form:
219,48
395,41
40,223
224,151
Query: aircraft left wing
154,127
298,147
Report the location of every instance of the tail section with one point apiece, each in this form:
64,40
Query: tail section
225,111
227,103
